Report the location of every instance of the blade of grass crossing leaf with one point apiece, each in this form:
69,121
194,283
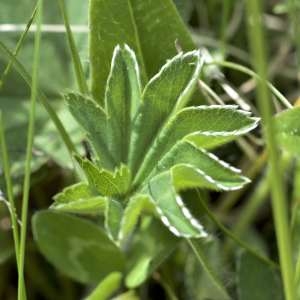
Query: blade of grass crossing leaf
45,102
208,269
234,66
30,138
11,202
279,201
81,82
9,188
257,280
231,235
18,46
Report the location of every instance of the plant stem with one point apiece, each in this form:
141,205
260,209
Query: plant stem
18,47
279,201
81,82
30,138
9,188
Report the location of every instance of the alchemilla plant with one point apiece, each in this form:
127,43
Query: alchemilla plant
147,145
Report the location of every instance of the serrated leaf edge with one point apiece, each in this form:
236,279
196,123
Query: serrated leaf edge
213,181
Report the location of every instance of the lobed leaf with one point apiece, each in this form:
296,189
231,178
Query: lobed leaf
206,126
171,209
92,206
213,171
74,192
167,91
122,97
104,181
94,121
79,198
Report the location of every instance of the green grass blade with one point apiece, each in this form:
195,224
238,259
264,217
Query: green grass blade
232,236
30,139
9,188
18,47
81,82
51,112
279,201
234,66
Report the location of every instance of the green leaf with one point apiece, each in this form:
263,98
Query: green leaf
130,295
171,209
150,247
91,206
206,126
141,33
106,287
195,167
122,97
104,181
94,121
132,212
257,280
113,215
76,247
288,130
79,198
74,192
213,285
167,91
